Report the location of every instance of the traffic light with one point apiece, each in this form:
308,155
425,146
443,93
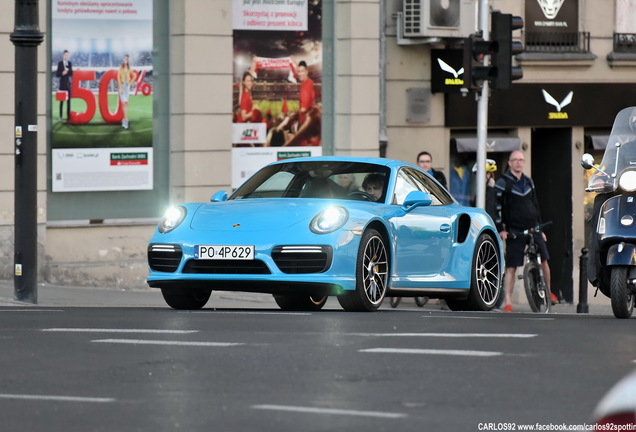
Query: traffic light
502,26
475,48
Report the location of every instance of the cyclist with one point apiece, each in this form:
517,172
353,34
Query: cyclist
518,209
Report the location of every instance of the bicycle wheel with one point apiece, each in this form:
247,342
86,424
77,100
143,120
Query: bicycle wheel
421,301
536,290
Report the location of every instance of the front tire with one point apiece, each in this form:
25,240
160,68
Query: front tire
300,302
537,292
372,275
622,298
186,299
485,278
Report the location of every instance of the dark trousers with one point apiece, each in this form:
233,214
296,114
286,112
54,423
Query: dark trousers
68,106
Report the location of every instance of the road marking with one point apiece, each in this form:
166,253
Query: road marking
160,342
447,316
56,398
32,310
246,313
484,318
449,335
330,411
433,352
106,330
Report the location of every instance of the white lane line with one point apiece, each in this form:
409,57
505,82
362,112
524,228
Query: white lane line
50,398
246,313
32,310
449,335
484,318
329,411
107,330
469,353
166,342
448,316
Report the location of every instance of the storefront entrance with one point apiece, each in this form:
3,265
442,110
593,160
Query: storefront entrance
552,175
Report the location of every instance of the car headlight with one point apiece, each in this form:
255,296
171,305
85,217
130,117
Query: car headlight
172,218
329,220
627,181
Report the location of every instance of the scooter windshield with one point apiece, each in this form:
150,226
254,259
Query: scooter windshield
620,152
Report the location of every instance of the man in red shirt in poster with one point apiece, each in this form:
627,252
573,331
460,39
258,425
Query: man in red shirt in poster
307,93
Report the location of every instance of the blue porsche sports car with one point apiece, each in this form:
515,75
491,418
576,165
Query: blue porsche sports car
361,229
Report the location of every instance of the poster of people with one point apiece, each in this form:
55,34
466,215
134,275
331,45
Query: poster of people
276,104
101,78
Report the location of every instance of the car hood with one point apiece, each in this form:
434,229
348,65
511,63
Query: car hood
256,214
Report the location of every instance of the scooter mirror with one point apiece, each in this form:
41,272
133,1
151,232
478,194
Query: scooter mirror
587,161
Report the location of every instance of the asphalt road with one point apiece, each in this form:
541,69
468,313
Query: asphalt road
251,369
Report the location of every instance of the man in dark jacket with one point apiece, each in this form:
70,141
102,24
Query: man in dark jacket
425,161
518,210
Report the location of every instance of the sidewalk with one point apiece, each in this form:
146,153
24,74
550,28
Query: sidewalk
77,296
49,295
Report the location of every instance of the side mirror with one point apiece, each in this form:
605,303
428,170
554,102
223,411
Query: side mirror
416,199
587,161
220,196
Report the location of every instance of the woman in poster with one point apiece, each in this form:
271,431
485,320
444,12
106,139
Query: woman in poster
123,83
248,113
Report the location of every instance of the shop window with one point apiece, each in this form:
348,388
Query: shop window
624,40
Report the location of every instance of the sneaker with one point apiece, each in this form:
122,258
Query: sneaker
507,308
554,298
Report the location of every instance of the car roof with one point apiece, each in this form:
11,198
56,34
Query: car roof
391,163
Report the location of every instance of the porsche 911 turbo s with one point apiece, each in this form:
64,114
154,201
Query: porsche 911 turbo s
304,229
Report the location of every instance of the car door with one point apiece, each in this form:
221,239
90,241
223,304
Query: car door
424,235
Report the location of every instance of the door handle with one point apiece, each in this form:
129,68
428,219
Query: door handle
445,228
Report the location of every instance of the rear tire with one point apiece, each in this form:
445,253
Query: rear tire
537,292
395,301
372,275
622,298
186,299
300,302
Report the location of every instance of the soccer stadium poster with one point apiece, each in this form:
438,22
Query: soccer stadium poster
276,103
101,66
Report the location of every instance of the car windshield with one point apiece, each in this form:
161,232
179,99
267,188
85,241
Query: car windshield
317,179
620,152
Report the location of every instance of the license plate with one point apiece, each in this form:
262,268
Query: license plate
223,252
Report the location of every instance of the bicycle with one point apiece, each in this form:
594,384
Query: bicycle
420,301
537,291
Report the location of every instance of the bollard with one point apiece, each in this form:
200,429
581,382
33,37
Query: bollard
583,307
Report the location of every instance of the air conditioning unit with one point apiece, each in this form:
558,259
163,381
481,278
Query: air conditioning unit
436,19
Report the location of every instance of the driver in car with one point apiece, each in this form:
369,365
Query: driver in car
373,184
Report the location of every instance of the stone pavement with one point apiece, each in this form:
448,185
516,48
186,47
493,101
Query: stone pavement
81,296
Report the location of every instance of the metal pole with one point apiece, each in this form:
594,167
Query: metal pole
482,114
583,307
26,37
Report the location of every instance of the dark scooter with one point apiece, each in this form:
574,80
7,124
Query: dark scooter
612,242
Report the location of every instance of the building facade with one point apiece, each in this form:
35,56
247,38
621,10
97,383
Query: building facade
380,96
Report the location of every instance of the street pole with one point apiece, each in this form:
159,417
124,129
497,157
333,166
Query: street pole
26,37
482,114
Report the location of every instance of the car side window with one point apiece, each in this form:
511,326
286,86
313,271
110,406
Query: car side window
409,180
